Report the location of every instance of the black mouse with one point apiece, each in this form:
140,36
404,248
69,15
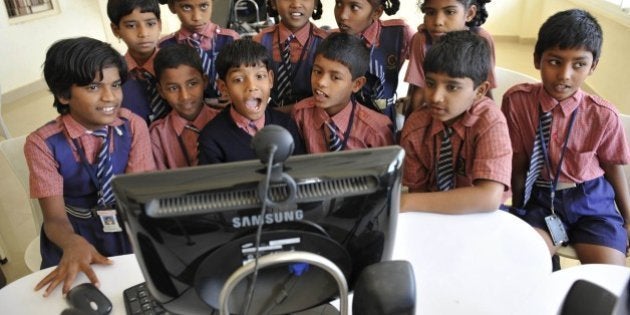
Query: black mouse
89,299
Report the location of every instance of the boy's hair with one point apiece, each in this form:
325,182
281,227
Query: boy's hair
173,56
568,29
390,7
317,13
480,16
460,54
348,50
241,52
78,61
117,9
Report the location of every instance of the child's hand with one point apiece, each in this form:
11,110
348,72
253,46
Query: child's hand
76,258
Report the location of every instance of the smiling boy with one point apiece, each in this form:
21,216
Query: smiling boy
458,154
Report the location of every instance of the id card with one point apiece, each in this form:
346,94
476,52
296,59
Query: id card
109,220
556,229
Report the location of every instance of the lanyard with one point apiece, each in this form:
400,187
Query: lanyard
304,49
547,159
346,135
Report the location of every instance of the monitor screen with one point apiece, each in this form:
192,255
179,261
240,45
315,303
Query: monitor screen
191,228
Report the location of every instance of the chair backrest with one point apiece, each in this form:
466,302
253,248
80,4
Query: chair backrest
4,131
625,120
506,79
13,151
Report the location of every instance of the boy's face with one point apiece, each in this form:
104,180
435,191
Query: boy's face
182,88
294,14
443,16
564,70
140,31
194,14
354,16
448,97
333,84
96,104
248,88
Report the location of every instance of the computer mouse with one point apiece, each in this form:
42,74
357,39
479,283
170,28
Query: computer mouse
88,298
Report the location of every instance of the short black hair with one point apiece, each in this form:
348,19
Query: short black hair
241,52
117,9
460,54
173,56
78,61
348,50
390,7
568,29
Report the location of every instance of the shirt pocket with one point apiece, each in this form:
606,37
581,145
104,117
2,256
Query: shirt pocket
578,163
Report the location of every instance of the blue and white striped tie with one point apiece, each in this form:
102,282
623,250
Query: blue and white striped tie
284,70
158,106
537,159
104,170
206,60
334,142
445,161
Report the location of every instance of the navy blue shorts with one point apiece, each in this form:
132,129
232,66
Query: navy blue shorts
588,212
107,244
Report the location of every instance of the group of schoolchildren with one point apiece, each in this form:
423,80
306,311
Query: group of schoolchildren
199,96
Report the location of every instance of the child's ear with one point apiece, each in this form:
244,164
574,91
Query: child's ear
270,75
222,87
272,4
378,12
358,83
115,29
470,14
65,100
160,90
537,59
206,81
482,90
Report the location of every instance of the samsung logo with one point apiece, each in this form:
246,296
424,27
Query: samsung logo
269,218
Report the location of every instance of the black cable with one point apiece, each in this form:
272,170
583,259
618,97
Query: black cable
250,293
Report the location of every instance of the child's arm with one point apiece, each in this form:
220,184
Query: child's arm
78,254
615,174
483,196
520,164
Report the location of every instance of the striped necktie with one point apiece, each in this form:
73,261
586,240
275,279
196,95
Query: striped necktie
334,142
537,159
284,70
158,106
206,62
445,161
104,170
376,69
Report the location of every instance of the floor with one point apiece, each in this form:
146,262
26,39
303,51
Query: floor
25,115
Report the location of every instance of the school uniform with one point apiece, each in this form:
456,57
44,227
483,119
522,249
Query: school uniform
584,198
480,145
62,156
388,42
174,139
211,39
228,137
420,44
359,127
136,90
303,49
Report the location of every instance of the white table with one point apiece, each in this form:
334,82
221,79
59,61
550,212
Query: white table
471,264
549,295
19,297
465,264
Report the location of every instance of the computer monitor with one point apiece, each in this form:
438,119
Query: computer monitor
191,228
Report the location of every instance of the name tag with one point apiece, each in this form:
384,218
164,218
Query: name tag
109,220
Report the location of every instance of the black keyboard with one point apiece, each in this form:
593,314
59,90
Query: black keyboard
138,300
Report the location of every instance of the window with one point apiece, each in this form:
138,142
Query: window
22,10
624,5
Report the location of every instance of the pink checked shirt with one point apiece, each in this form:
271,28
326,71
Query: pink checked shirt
369,128
597,136
166,134
45,180
481,147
